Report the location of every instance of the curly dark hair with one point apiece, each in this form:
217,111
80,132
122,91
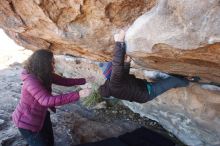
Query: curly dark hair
40,64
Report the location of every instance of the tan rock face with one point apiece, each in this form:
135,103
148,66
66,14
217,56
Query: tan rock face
178,37
158,39
173,36
203,62
78,27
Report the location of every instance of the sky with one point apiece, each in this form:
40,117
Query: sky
10,52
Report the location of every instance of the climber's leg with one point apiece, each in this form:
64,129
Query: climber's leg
159,87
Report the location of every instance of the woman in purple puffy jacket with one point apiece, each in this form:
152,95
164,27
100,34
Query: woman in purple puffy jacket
31,115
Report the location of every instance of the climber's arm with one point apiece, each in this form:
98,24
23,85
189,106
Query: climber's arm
118,63
118,58
127,64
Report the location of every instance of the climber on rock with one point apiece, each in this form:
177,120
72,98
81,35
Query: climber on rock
120,84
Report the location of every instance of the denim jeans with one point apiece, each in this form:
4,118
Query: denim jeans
42,138
161,86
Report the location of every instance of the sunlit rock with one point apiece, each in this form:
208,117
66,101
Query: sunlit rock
178,37
76,27
172,36
191,113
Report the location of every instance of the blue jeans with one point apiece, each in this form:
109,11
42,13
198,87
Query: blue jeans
159,87
42,138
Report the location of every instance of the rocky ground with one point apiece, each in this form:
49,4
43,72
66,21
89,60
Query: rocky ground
73,123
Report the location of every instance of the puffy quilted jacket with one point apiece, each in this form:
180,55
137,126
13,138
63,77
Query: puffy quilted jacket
121,84
35,100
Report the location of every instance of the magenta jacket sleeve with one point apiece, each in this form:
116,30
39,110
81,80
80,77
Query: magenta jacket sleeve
56,79
44,98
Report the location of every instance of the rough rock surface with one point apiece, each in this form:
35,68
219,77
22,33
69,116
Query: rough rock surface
170,35
179,37
183,31
77,27
191,113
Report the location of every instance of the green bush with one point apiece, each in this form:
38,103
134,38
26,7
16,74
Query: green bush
93,98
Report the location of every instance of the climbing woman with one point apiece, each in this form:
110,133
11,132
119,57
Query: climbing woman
120,84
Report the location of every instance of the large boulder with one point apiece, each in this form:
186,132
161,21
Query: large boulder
191,113
181,37
178,37
172,36
77,27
